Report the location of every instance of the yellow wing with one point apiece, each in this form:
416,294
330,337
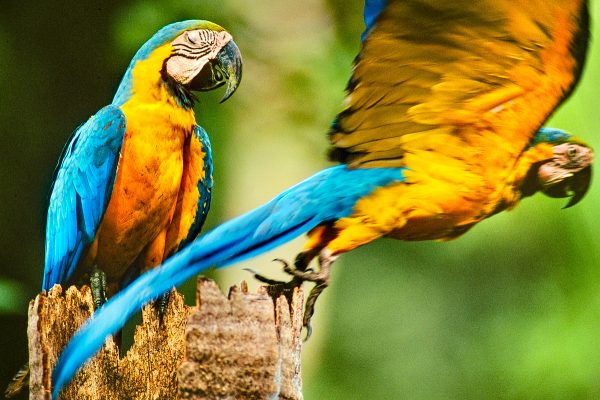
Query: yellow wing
459,77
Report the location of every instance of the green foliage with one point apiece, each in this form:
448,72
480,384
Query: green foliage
13,299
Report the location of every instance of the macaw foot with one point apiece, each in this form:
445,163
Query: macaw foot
161,305
269,281
320,278
98,286
300,273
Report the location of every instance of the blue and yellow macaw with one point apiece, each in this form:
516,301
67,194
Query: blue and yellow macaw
441,130
133,184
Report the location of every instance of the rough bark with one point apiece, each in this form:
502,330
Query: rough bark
244,346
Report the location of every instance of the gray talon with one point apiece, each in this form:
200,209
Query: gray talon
161,304
98,286
300,273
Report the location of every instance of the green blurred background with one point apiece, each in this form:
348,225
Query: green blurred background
509,311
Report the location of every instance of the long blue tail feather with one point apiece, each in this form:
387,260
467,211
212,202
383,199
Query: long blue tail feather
327,195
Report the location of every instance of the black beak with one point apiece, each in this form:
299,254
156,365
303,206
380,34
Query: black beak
230,59
574,187
226,67
579,186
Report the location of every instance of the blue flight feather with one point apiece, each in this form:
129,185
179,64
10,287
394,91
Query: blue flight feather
326,196
372,10
205,186
84,175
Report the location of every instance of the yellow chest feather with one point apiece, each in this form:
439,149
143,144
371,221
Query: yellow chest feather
148,180
151,164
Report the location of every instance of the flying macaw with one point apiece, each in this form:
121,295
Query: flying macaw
441,130
133,184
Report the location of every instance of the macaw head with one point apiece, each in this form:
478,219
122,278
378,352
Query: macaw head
205,58
568,173
185,56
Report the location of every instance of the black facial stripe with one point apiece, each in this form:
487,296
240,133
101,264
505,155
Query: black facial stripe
183,46
194,50
201,52
208,36
192,55
189,57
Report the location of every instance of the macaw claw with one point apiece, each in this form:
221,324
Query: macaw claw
98,286
300,273
161,305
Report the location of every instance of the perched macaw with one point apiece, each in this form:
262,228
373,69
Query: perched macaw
441,130
133,184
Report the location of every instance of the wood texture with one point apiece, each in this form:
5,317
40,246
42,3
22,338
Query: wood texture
148,371
243,346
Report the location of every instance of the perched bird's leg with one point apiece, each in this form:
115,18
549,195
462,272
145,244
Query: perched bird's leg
161,305
98,286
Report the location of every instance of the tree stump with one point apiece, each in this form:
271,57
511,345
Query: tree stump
243,346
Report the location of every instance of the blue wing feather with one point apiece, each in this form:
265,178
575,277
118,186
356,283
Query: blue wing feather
205,185
80,192
372,10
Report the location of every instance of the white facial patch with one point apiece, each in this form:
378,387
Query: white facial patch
192,50
569,158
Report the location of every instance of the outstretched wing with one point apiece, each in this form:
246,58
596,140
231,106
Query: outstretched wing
80,192
445,73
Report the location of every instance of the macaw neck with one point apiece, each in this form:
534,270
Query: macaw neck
146,82
523,181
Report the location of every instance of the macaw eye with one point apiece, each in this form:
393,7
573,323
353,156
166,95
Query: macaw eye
572,151
193,37
218,75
